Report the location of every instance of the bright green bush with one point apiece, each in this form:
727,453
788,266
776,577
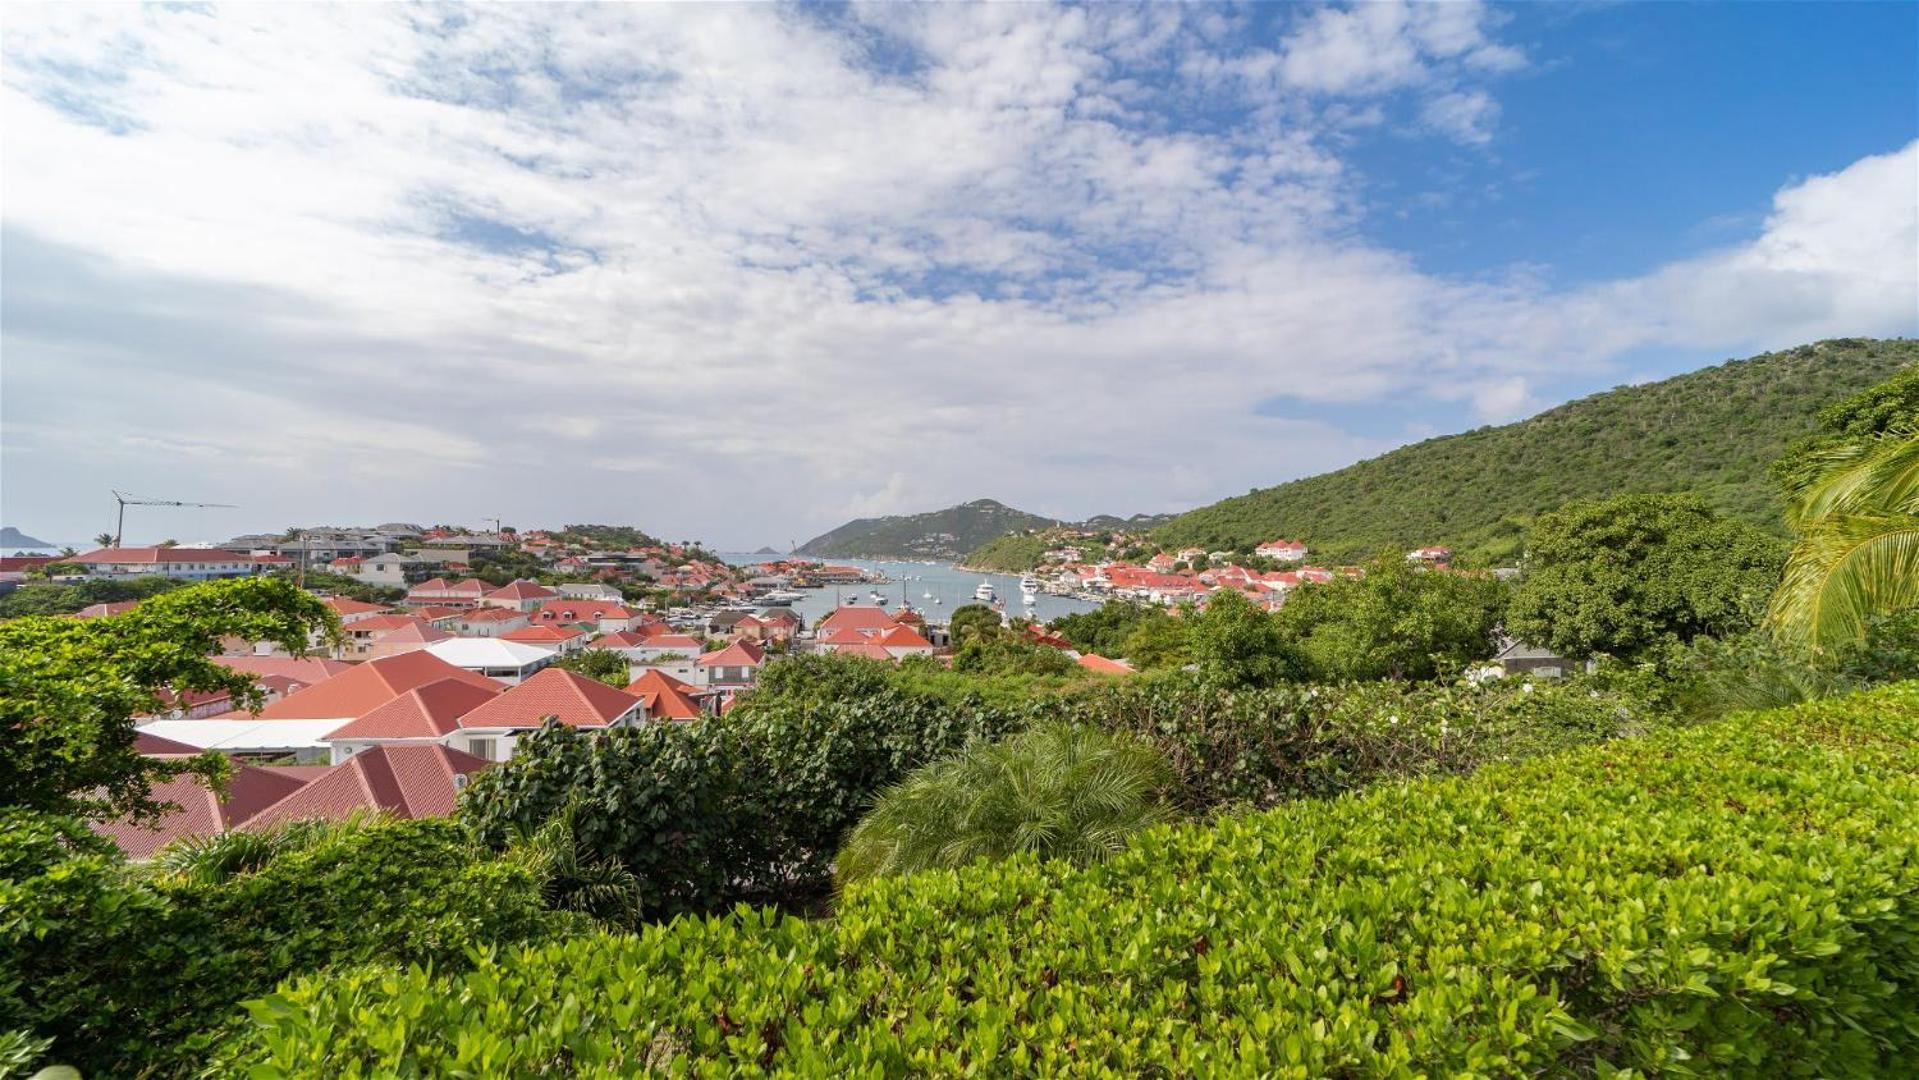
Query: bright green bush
1740,899
128,969
1058,792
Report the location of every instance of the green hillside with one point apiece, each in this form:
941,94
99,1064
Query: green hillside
1713,431
939,534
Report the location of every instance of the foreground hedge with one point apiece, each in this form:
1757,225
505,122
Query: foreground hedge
134,973
1733,900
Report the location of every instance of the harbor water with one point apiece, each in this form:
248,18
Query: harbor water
911,581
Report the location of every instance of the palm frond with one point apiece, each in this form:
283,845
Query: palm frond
1873,476
1845,570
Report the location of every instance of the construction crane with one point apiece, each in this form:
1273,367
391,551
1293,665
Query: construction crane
125,500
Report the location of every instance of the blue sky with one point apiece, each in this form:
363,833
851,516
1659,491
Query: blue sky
742,272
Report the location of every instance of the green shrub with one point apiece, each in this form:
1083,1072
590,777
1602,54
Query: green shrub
1639,905
1057,792
129,969
747,807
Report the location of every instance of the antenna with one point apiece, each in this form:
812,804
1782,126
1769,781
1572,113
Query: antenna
125,500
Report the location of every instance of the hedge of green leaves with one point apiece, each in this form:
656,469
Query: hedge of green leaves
1741,899
130,973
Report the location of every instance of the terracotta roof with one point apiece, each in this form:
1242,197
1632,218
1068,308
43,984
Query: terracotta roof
425,633
904,637
249,791
436,612
738,654
843,636
574,700
490,614
382,624
424,712
622,639
406,781
156,555
346,605
856,618
685,642
541,635
521,590
154,746
866,647
367,686
1095,662
666,697
304,669
582,611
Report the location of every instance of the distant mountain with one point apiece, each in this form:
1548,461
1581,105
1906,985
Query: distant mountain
940,534
11,537
766,551
1714,432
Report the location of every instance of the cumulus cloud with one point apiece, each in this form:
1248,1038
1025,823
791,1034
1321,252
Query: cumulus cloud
734,271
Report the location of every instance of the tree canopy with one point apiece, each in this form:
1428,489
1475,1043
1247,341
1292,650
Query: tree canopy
70,688
1398,621
1626,575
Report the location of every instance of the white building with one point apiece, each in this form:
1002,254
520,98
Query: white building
194,564
508,661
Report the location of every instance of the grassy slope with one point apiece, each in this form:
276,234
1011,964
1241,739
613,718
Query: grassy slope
1713,432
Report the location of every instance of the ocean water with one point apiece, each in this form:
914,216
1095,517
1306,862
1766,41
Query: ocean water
911,581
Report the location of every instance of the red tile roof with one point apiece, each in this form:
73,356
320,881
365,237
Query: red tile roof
856,618
738,654
904,637
156,555
521,590
425,633
574,700
406,781
489,614
346,605
541,635
424,712
368,686
382,624
622,639
666,697
97,611
249,791
304,669
1095,662
572,611
684,642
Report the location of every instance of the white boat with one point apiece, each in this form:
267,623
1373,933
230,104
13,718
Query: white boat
1029,590
937,600
985,594
928,595
877,599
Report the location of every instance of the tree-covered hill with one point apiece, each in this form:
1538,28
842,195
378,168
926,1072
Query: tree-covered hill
1713,432
939,534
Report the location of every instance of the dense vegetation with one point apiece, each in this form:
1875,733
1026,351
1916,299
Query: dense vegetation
1712,432
1016,553
65,598
938,534
1635,906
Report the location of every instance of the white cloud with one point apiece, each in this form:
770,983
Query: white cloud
774,267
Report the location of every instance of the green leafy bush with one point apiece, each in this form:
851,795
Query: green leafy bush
1634,906
130,970
1058,792
746,807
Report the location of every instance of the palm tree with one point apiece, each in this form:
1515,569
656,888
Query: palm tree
1059,792
104,540
1858,552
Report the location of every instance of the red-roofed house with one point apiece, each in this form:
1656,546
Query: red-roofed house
491,730
1282,550
736,665
358,636
250,790
599,615
489,622
565,639
194,564
413,636
404,781
440,592
519,595
100,611
667,698
350,610
425,714
850,617
903,641
364,687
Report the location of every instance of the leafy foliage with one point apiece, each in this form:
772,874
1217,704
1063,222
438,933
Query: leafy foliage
1238,643
1710,432
1399,621
1006,653
972,620
70,688
130,973
749,806
1635,906
605,665
1635,573
1858,549
1057,792
65,599
328,583
1105,629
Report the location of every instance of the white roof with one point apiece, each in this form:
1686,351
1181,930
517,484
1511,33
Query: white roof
477,653
247,735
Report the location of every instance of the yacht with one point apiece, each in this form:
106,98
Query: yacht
1028,590
985,594
782,597
876,598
